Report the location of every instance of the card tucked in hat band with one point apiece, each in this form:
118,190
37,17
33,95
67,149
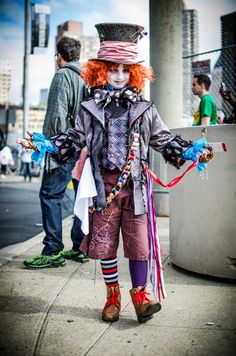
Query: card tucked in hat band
117,51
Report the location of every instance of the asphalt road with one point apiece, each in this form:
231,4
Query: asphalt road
20,212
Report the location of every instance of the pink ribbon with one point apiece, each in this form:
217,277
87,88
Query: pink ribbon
118,51
155,263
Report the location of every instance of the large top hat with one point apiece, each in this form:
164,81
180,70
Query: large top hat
119,42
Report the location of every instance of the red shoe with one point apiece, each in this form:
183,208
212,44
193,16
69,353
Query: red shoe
111,310
144,307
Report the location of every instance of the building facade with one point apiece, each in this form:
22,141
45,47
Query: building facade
89,44
43,97
190,41
228,56
5,82
15,126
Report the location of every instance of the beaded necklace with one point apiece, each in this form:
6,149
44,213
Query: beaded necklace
127,167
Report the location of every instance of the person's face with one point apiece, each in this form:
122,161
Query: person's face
196,88
118,77
59,61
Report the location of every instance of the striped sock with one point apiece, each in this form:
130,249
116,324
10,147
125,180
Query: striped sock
110,271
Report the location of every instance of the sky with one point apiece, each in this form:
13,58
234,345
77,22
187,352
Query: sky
42,66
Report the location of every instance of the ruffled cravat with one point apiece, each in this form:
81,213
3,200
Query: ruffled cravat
103,97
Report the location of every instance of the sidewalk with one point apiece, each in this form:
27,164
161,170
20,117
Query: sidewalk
12,179
55,312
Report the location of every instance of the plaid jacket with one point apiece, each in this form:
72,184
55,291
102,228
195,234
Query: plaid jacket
65,94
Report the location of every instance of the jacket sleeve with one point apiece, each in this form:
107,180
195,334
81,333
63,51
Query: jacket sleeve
161,140
70,143
57,106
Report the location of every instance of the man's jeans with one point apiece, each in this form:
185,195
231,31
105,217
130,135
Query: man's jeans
51,194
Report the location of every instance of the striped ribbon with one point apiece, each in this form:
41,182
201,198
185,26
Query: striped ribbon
155,263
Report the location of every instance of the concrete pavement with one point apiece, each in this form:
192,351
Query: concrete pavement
57,311
12,179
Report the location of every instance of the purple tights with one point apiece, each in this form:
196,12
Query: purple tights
138,272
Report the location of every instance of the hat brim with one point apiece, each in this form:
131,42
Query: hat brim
114,61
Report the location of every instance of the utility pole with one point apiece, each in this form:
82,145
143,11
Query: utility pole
166,60
26,70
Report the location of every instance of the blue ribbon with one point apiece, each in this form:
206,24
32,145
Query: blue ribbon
197,149
43,145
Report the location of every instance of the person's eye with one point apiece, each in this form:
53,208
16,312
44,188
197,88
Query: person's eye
113,70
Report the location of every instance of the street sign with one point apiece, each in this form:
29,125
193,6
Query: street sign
39,26
201,67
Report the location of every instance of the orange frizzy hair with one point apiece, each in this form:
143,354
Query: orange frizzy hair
94,73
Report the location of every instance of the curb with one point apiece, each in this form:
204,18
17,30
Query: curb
8,253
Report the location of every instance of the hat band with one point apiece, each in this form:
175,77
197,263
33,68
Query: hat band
118,51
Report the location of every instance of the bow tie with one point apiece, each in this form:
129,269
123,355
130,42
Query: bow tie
103,97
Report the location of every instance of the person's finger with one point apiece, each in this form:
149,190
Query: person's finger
20,140
24,142
30,133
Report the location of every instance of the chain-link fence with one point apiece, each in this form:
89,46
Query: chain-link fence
222,70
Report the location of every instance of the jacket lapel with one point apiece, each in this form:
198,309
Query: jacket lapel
91,106
138,109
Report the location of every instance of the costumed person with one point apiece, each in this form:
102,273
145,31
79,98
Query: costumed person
118,126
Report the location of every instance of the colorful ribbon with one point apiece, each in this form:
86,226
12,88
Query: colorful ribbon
155,264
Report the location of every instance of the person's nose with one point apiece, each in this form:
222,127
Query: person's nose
120,74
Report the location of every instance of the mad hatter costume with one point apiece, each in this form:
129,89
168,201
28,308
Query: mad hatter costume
118,126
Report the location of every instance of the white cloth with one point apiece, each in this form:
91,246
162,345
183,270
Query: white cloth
86,191
6,156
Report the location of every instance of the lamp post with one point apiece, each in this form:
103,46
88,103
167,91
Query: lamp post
26,70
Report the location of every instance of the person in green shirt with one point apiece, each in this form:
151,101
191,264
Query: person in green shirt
206,113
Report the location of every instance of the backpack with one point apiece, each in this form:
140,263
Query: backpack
72,115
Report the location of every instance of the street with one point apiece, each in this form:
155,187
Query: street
20,213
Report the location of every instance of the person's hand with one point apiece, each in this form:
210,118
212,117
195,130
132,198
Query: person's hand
226,94
220,120
220,117
207,155
27,142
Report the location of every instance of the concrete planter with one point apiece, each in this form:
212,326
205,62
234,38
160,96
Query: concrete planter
203,212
